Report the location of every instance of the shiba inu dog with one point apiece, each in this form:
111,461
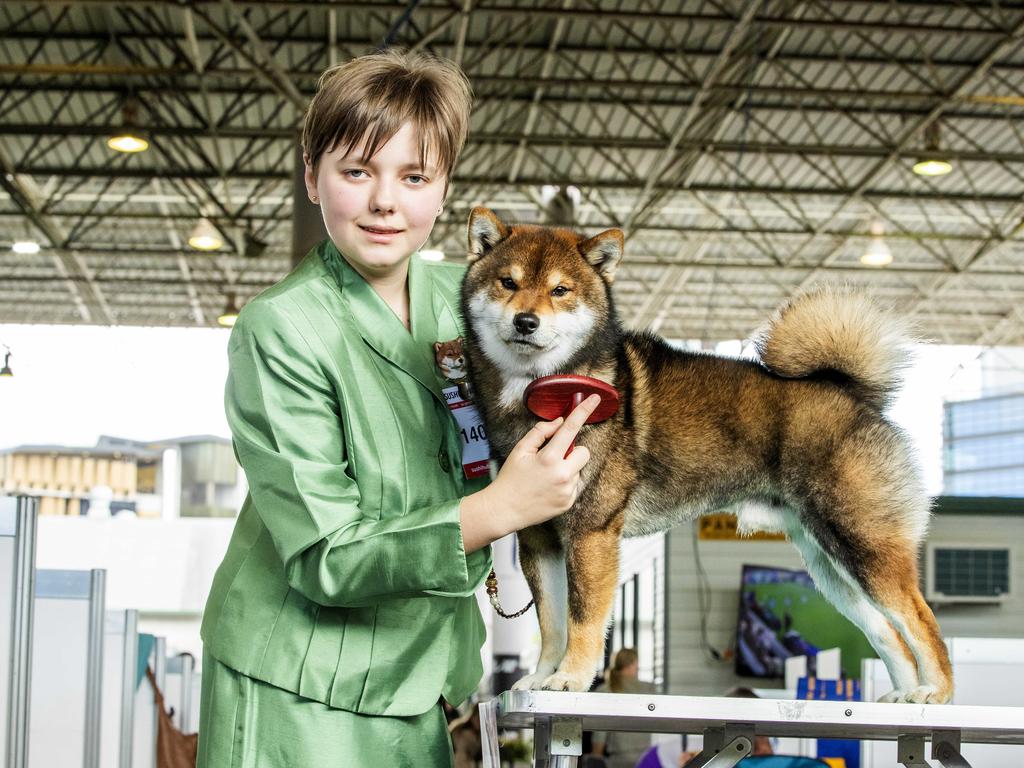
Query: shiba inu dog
796,443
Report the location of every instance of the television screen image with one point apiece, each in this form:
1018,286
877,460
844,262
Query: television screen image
782,614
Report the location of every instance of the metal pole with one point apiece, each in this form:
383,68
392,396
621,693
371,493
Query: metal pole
21,631
188,664
160,675
94,668
129,669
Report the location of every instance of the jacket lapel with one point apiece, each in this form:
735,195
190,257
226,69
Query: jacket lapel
381,328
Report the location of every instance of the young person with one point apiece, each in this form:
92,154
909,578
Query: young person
343,610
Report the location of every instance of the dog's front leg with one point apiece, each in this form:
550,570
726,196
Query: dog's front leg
543,562
593,572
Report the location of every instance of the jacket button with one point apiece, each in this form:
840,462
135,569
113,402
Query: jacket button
443,460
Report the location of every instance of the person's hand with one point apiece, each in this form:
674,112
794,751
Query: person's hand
536,482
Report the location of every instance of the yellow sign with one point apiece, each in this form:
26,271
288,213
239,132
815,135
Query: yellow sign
723,526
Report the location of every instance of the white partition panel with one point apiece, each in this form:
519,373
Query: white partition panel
17,579
178,690
986,671
67,660
144,730
120,650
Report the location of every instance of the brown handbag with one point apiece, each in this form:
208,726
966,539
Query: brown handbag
174,749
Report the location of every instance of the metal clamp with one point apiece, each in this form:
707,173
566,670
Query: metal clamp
724,747
946,749
910,751
557,742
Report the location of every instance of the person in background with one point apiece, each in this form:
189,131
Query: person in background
623,749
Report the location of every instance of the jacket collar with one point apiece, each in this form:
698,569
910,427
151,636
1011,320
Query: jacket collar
380,327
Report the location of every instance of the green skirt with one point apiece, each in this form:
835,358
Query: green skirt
246,723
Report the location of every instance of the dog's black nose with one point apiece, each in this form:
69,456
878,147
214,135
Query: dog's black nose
526,322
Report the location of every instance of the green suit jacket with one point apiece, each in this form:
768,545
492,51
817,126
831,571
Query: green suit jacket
345,580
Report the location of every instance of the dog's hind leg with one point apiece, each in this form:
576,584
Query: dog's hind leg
543,562
883,570
863,503
843,591
894,589
593,570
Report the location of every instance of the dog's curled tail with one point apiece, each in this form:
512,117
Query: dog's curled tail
832,330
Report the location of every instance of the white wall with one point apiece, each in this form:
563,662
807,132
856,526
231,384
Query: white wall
690,671
162,568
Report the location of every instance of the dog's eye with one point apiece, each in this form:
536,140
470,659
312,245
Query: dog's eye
508,283
560,291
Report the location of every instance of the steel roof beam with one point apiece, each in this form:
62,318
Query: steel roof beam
540,140
618,49
602,14
676,88
603,97
488,182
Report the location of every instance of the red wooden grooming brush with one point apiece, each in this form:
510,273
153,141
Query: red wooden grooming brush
552,396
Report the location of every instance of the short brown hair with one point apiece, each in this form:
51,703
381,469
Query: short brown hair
373,96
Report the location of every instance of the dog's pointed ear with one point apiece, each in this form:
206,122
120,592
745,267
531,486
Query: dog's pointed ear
604,251
486,230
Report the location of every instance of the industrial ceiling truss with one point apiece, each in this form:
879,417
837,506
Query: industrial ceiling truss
748,149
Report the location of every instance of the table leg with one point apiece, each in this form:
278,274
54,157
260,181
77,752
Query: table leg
489,733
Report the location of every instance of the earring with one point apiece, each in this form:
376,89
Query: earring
315,199
440,210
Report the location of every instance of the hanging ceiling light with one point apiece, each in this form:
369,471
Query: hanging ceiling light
230,314
877,254
129,138
6,370
25,246
129,142
933,162
205,236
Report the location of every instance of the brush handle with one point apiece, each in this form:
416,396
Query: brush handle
577,398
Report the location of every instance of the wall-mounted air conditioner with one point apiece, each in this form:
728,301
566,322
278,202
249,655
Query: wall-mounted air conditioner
967,573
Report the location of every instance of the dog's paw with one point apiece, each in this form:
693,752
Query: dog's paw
530,682
923,694
892,697
927,694
561,681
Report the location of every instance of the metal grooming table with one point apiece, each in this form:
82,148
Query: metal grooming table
730,724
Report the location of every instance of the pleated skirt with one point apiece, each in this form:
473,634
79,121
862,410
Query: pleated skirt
247,723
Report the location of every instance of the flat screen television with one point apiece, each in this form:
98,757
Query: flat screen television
782,614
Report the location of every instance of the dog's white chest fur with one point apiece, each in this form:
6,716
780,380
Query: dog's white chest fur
512,391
